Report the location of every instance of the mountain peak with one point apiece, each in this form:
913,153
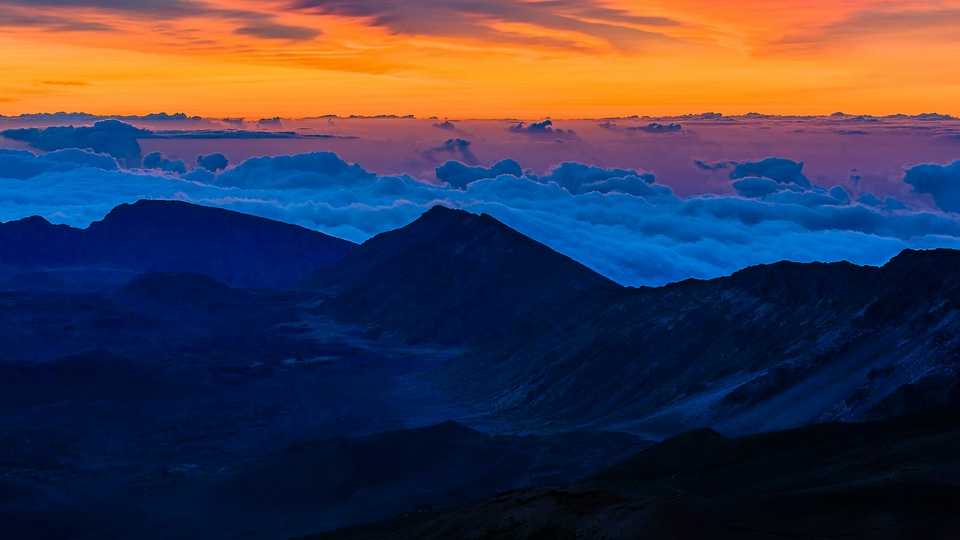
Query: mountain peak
454,277
32,221
441,210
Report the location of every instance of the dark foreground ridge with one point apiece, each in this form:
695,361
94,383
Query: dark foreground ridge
453,277
149,236
888,479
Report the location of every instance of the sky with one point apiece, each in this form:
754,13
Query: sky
654,141
467,59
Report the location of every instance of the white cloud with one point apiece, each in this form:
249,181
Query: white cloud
644,237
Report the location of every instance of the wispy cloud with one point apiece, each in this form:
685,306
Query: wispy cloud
480,20
62,15
871,27
272,30
64,83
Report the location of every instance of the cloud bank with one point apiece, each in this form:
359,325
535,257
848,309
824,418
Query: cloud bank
106,136
623,223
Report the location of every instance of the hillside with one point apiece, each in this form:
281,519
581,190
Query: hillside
770,347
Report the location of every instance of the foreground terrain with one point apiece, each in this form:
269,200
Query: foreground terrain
428,381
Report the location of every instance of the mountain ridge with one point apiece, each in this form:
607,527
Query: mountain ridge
768,347
157,235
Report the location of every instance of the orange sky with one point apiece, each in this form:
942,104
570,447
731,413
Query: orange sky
461,58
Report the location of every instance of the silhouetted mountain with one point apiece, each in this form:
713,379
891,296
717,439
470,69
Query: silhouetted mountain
35,242
772,346
453,277
149,236
887,479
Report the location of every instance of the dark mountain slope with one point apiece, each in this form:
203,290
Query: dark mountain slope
149,236
772,346
453,277
887,479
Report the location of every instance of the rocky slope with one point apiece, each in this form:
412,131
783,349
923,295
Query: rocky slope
770,347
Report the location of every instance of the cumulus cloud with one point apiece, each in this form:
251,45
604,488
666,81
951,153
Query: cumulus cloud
780,170
315,170
22,164
940,181
576,177
457,147
199,174
156,160
787,186
270,122
447,125
213,162
459,175
543,129
106,136
658,128
620,222
700,164
756,188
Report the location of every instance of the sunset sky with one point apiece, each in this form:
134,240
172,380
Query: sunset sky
461,58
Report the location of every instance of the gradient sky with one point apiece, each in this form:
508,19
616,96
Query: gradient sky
461,58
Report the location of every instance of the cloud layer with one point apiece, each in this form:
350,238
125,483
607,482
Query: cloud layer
107,136
620,222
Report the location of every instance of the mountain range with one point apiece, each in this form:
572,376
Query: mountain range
182,370
151,235
770,347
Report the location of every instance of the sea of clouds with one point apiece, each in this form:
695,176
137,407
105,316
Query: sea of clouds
623,223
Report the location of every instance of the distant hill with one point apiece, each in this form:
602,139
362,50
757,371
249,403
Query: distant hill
769,347
174,288
453,277
148,236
